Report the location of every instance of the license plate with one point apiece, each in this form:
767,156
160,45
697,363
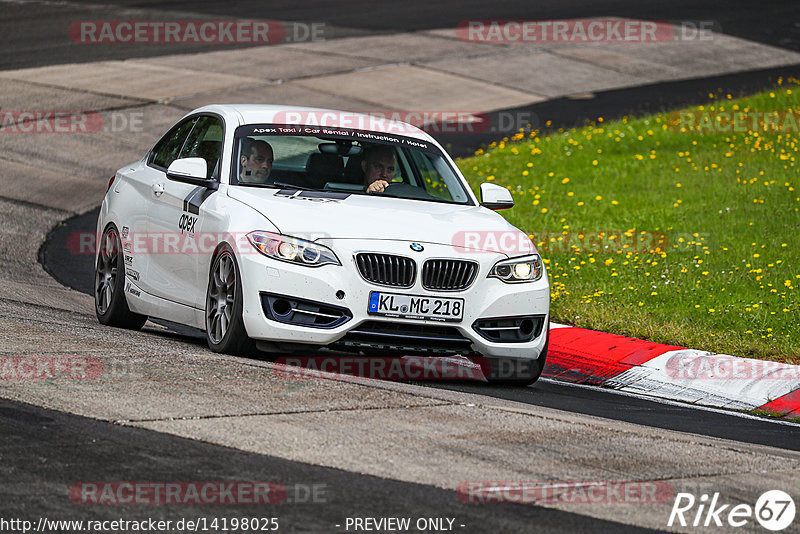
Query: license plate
415,306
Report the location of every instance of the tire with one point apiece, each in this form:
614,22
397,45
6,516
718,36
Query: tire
110,304
225,330
516,372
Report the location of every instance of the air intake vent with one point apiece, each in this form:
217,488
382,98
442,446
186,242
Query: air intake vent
420,339
386,269
448,275
301,312
510,329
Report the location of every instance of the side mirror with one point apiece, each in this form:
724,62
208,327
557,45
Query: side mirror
495,197
191,171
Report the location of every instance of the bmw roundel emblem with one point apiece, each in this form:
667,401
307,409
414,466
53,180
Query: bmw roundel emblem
416,247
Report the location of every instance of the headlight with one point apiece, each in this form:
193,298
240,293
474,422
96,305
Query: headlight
292,249
525,269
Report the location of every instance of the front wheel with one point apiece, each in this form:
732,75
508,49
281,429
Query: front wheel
515,372
110,304
225,330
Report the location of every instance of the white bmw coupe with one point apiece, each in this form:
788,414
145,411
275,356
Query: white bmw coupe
286,229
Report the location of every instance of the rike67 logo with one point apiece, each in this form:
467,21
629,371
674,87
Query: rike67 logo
774,510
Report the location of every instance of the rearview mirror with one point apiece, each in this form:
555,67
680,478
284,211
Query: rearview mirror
495,197
191,171
340,149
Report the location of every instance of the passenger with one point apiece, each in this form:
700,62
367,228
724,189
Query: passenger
256,161
379,166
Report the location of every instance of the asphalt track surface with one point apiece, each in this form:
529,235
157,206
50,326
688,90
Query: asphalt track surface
35,31
69,446
76,271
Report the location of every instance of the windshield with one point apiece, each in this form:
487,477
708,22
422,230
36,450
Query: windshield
319,158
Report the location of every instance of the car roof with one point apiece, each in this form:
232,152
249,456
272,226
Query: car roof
278,114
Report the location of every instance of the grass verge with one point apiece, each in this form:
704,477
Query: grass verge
665,227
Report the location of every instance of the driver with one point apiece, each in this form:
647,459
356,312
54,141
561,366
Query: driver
379,165
255,162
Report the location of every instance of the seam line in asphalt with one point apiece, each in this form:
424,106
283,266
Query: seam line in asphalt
73,89
429,67
262,414
28,203
42,307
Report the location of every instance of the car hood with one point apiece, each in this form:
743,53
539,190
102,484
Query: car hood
332,215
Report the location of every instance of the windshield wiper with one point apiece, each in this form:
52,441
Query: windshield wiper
294,186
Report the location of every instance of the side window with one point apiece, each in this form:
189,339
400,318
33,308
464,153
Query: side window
205,141
168,148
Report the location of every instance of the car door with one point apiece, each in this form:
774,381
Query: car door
175,214
148,179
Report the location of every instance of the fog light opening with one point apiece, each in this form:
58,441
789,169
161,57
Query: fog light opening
526,327
281,307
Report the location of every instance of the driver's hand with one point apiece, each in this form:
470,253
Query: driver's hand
377,186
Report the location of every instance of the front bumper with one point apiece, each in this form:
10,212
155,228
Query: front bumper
342,288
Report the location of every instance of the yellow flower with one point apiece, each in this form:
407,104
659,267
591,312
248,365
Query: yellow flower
598,197
565,180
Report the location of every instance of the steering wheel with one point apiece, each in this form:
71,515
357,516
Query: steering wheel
405,190
394,187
